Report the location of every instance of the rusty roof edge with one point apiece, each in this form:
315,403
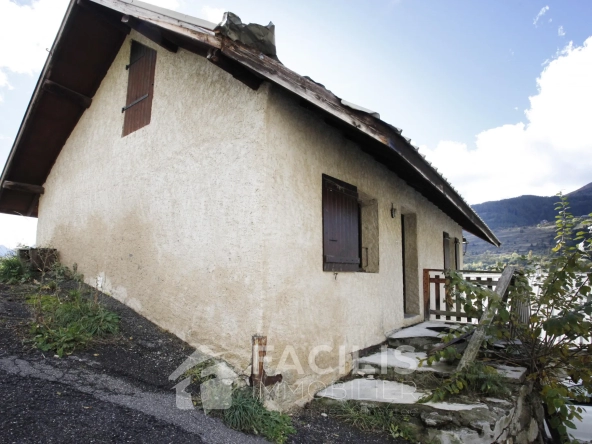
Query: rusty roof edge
252,60
142,10
35,96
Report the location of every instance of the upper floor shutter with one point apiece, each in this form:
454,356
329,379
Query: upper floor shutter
341,226
140,87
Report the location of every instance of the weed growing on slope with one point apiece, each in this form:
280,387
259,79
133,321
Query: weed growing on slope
247,414
12,271
376,419
65,323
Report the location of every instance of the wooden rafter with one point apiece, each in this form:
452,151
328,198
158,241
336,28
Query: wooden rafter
23,187
62,91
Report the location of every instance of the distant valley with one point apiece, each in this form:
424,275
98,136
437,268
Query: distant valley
522,224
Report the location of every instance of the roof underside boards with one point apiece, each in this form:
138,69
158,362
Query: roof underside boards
90,38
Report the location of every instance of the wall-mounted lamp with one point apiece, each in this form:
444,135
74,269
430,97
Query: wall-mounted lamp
465,245
393,210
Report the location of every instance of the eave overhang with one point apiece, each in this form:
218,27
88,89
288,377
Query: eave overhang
90,37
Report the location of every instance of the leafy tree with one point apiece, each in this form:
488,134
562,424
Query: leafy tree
545,323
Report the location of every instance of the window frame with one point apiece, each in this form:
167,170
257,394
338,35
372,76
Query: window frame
346,261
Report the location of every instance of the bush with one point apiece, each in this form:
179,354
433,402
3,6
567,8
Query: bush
247,414
552,338
11,270
476,378
64,324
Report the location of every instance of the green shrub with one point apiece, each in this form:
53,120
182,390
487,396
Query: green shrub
64,324
11,270
247,414
476,378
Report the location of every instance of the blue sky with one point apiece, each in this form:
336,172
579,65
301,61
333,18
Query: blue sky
470,82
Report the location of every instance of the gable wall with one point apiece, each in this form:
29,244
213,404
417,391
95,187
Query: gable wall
164,219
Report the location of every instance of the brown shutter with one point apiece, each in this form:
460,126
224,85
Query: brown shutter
446,251
140,88
456,253
341,226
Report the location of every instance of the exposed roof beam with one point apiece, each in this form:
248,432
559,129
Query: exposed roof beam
62,91
150,32
23,187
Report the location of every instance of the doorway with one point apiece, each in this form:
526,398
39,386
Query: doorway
410,264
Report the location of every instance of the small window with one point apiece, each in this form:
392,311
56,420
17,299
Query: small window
140,87
341,226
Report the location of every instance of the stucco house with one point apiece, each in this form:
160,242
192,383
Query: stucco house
192,176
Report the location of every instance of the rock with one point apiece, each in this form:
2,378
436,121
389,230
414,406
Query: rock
434,419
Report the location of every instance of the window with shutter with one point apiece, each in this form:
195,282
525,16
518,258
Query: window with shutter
140,88
341,226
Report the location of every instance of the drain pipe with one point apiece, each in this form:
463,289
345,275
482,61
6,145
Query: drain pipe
258,376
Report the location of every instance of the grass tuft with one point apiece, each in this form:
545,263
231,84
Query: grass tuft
65,323
247,414
12,271
384,419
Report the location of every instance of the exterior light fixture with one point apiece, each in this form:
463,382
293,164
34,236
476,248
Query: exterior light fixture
465,243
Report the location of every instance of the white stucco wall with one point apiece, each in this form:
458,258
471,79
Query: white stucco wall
208,221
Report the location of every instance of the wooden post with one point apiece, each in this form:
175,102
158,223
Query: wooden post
479,335
426,294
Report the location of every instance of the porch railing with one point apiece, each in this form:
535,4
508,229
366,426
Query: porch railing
436,304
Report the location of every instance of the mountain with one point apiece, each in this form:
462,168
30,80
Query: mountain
530,210
4,251
522,224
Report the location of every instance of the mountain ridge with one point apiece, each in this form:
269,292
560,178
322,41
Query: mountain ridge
530,210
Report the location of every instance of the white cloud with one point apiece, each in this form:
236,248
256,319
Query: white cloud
550,152
560,31
17,230
214,15
542,12
168,4
25,34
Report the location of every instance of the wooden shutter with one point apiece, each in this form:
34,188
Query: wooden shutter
446,245
341,226
456,253
140,87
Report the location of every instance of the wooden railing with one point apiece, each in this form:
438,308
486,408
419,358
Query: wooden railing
437,308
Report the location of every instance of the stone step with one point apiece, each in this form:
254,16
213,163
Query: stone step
389,361
401,362
389,392
487,421
422,336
